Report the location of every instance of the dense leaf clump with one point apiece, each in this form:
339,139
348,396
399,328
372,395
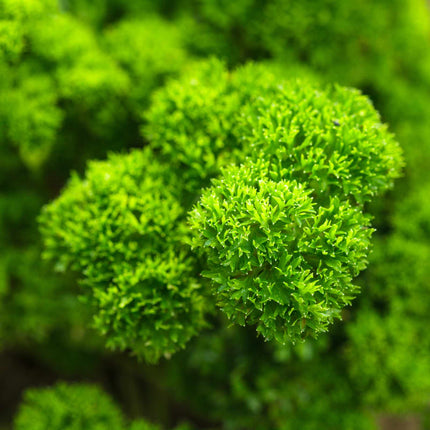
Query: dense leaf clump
279,260
68,407
75,407
191,122
123,229
331,137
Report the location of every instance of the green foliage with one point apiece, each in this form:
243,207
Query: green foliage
123,229
146,425
143,425
76,77
89,81
65,83
333,150
191,122
405,105
390,326
150,50
247,383
49,87
355,43
16,16
331,138
387,375
31,116
280,261
35,304
412,217
68,407
59,75
100,13
383,46
76,406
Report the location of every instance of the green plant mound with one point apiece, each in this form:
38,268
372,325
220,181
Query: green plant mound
279,260
30,114
75,406
122,228
328,136
331,138
191,123
68,407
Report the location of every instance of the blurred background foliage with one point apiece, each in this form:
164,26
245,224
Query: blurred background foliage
77,77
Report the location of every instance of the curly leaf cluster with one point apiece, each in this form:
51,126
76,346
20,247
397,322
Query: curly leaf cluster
280,261
191,122
68,407
329,136
75,407
123,229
